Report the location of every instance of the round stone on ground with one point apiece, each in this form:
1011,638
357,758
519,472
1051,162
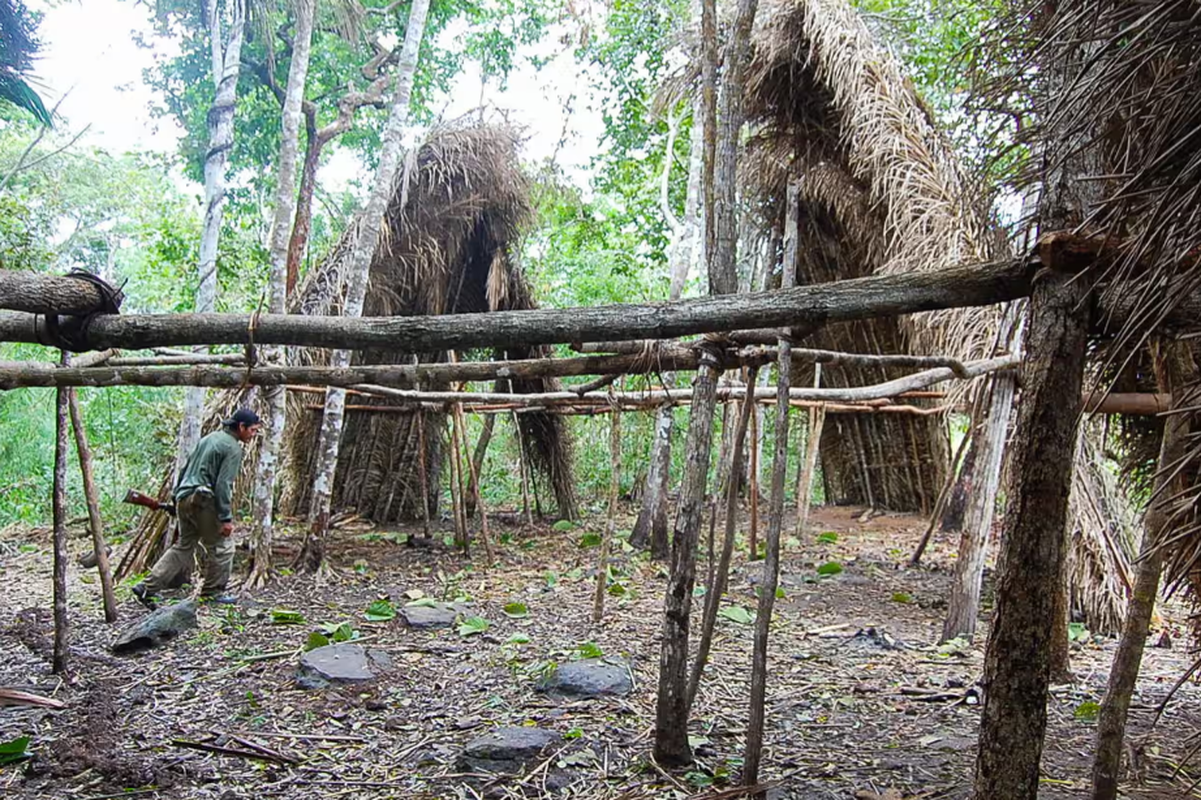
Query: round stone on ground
591,677
340,663
506,749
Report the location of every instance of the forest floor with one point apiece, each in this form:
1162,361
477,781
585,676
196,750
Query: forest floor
862,703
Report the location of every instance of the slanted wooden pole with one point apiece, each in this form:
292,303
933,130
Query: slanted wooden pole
59,508
95,522
526,509
717,587
753,544
817,420
671,709
1016,664
477,458
602,569
1175,370
756,720
944,494
423,474
474,487
462,535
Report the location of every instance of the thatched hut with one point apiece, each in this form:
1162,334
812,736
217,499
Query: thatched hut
880,191
460,205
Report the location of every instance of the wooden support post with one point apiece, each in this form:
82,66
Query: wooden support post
526,509
477,460
602,569
462,536
753,754
1016,665
474,486
671,710
59,504
753,544
95,523
423,473
817,420
941,503
1175,370
718,586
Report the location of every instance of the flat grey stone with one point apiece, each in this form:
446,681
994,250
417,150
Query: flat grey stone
438,616
339,663
506,749
592,677
156,628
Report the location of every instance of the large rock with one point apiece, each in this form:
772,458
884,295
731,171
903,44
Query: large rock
506,750
592,677
340,663
440,615
157,627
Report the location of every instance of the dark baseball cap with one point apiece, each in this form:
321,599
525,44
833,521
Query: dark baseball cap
243,416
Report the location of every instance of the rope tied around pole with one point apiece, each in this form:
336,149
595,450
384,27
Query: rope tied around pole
71,332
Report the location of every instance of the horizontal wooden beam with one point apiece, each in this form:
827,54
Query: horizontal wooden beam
804,307
37,293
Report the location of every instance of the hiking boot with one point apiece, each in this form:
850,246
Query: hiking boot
222,598
139,592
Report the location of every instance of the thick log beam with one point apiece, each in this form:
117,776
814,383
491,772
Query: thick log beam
36,293
804,307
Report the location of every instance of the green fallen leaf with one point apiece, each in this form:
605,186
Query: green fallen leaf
736,614
589,650
519,638
902,597
380,611
14,750
283,616
1077,632
1087,711
829,568
516,610
780,593
472,626
316,640
590,540
563,525
828,537
424,602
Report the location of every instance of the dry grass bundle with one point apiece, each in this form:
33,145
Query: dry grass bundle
461,203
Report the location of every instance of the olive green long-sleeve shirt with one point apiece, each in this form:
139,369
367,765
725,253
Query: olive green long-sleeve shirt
213,465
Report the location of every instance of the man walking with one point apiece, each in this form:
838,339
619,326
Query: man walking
202,500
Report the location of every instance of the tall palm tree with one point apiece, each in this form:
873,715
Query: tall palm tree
18,46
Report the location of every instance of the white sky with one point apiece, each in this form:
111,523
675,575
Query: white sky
88,50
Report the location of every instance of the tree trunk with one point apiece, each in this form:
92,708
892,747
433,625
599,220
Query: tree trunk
1017,660
472,494
1060,666
753,754
723,272
526,509
281,229
964,604
303,221
95,522
477,462
671,713
359,267
59,503
717,586
651,525
813,439
1175,370
226,65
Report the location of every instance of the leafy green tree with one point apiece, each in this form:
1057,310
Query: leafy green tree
18,48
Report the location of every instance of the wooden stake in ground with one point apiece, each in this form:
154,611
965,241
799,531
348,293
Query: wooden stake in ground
477,461
59,503
753,754
941,503
717,587
753,544
474,484
1175,370
1016,664
526,510
602,568
671,711
804,489
95,523
456,488
422,475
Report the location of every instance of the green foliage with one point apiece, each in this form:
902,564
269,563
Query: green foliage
1078,632
827,537
379,611
283,616
902,597
589,650
516,610
1087,711
590,540
472,626
14,750
736,614
829,568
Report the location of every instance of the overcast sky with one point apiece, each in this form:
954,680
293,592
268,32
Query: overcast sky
89,52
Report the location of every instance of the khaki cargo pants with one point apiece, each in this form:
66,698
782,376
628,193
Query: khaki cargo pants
198,524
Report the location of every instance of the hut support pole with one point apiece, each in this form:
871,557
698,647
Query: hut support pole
753,544
1016,668
526,509
602,569
456,487
1176,370
941,503
473,479
477,460
817,420
671,712
718,586
95,522
753,754
59,504
422,474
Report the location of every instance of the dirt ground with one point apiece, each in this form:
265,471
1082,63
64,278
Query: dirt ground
861,701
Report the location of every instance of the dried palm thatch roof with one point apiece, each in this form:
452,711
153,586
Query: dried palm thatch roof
461,203
832,108
1116,87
